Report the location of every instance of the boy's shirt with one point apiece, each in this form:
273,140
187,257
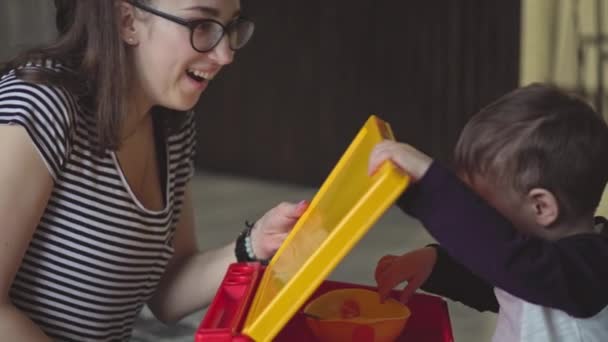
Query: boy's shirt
519,320
568,274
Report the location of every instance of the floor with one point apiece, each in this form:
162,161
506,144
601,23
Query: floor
224,202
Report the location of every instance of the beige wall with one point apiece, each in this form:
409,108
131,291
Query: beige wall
535,48
549,43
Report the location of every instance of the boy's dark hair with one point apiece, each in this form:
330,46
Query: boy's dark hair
539,136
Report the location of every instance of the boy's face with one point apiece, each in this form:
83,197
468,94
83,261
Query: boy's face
510,204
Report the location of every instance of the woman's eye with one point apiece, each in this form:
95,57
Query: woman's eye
207,26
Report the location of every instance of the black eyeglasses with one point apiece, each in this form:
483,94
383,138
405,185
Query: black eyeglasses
206,34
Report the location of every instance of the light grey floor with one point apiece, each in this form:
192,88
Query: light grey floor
223,203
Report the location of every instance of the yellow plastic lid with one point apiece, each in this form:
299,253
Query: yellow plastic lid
348,203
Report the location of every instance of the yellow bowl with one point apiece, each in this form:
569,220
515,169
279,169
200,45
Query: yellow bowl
355,315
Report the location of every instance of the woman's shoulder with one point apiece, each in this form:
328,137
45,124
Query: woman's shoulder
24,91
47,111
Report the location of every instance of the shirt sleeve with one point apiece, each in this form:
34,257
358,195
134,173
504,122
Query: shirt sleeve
568,274
471,291
45,112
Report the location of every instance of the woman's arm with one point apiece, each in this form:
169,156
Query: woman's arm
25,187
192,277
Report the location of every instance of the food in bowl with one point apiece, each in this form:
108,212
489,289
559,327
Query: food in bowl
355,315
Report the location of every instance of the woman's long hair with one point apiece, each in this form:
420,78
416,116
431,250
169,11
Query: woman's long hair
90,45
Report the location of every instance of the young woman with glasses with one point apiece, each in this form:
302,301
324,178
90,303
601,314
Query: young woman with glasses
98,139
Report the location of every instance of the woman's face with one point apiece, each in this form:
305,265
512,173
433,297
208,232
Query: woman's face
168,71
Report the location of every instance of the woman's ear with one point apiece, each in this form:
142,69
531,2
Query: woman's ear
127,23
544,206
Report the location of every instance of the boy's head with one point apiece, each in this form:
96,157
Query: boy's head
540,156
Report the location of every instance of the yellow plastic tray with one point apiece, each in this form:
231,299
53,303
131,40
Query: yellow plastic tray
348,203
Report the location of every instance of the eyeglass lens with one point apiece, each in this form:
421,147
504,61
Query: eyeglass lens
208,33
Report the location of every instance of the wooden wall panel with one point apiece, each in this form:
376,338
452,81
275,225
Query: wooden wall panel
314,71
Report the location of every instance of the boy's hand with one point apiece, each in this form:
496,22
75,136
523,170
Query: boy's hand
409,159
414,267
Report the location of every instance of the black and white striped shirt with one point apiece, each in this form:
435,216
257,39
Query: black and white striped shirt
97,254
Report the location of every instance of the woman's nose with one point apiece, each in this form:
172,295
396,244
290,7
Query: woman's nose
222,53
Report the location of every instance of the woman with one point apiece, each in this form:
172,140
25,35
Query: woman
98,139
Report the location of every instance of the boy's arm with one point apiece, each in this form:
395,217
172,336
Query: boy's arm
568,274
471,290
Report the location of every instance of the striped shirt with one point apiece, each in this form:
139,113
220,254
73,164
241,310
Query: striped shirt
97,254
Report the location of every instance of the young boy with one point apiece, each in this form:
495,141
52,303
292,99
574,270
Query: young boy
539,158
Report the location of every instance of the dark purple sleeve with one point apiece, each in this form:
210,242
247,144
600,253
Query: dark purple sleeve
569,274
452,280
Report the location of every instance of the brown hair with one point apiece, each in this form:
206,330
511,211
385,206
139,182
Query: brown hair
90,44
539,136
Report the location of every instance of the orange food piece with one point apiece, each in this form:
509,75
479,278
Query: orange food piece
350,309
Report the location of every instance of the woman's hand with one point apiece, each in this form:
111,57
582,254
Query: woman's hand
270,231
414,267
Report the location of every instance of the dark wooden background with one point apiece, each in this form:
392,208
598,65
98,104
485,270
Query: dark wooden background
315,70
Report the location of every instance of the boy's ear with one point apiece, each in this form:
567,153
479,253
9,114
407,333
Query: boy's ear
544,205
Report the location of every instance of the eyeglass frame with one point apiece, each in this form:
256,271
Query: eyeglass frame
192,24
